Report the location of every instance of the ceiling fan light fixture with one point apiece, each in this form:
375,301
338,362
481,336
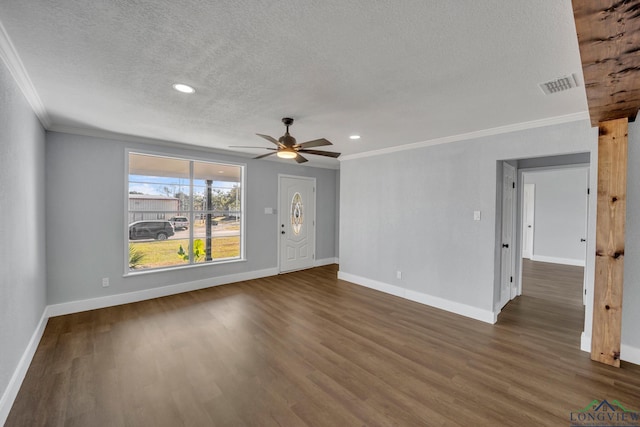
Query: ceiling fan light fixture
354,137
181,87
288,148
287,154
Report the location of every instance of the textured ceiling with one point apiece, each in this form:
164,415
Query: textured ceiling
396,72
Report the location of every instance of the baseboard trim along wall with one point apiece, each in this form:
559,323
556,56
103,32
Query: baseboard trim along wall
630,354
325,261
136,296
627,352
10,393
556,260
437,302
585,343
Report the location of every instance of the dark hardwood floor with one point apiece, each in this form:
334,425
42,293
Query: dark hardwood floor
307,349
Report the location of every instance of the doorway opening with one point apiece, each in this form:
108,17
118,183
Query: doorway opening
554,220
549,242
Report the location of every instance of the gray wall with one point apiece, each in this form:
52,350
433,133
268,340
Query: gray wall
560,213
83,248
631,295
22,203
413,211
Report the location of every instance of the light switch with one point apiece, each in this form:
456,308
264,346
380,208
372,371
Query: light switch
476,215
268,211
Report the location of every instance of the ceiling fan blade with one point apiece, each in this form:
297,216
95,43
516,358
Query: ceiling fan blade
246,146
321,153
300,159
265,155
269,138
315,143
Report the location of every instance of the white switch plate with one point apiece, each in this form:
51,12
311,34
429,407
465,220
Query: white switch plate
476,215
268,211
398,274
105,282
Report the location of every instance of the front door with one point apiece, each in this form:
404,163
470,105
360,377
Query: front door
296,226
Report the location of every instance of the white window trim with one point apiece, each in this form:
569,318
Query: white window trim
243,199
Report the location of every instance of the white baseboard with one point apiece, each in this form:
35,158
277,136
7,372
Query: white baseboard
585,343
627,352
325,261
630,354
135,296
437,302
10,393
556,260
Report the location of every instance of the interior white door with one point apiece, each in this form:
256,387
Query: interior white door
529,203
297,215
507,288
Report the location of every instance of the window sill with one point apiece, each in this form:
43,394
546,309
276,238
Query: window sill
180,267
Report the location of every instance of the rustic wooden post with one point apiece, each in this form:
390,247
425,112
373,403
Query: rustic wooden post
609,268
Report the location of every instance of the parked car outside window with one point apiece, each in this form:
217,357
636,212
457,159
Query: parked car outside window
159,230
179,222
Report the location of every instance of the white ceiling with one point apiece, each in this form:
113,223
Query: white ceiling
395,72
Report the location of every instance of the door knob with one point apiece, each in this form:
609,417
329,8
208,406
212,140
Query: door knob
583,240
282,232
528,226
505,245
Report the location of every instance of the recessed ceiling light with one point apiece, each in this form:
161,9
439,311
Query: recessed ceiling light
183,88
220,171
354,137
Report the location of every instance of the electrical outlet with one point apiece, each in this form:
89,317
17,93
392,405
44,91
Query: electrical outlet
399,274
105,282
476,215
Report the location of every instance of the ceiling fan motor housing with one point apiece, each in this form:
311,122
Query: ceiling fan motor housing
287,140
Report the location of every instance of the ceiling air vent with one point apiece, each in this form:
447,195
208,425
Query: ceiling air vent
559,85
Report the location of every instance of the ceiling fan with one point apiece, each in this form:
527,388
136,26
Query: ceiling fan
289,149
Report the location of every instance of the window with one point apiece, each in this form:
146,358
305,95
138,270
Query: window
183,212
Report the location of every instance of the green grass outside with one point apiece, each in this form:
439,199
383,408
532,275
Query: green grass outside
165,253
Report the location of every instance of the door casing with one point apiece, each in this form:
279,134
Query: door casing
528,223
283,219
507,264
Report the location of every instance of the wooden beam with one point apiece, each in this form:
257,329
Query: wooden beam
610,224
609,40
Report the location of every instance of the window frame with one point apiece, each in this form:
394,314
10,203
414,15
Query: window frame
243,197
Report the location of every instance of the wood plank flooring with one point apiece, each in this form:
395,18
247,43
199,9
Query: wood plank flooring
556,282
307,349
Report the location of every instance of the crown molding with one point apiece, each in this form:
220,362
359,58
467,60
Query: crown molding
13,62
583,115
